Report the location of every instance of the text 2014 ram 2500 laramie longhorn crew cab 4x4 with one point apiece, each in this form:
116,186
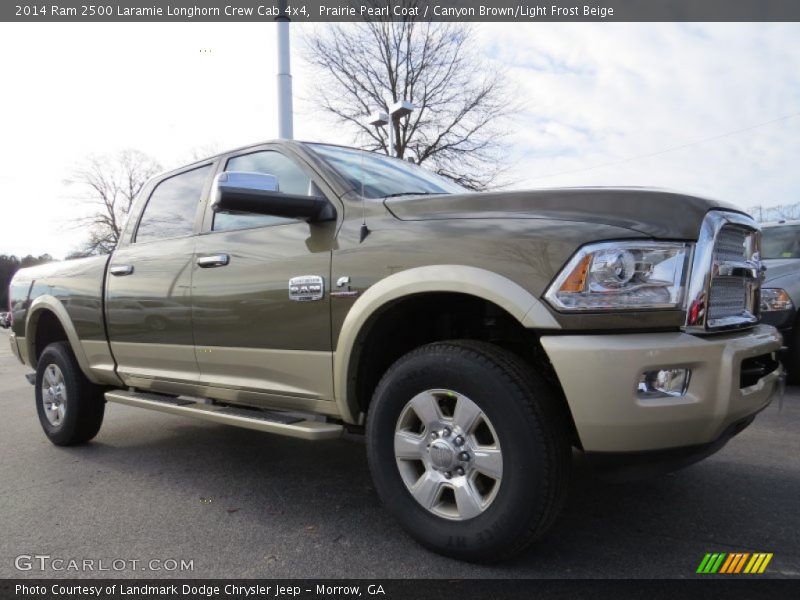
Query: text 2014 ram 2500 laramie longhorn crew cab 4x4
301,288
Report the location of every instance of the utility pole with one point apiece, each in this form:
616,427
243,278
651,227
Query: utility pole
285,111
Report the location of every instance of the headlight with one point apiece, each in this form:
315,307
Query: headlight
775,299
622,276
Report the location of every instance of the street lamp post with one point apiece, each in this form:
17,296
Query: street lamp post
285,110
397,111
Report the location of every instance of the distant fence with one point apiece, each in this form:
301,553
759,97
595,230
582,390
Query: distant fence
788,212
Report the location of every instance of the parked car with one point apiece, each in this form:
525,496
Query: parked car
475,338
780,293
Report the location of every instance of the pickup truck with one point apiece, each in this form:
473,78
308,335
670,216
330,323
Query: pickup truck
780,296
477,340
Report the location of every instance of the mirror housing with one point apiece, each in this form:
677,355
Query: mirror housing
258,193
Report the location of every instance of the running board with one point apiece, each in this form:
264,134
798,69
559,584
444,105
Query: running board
260,420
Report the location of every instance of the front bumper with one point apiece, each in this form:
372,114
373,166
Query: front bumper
599,375
784,321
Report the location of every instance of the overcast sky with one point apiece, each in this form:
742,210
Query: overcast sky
711,109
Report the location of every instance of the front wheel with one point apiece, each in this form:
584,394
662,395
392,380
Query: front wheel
70,407
468,450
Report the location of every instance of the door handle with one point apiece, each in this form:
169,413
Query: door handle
214,260
121,270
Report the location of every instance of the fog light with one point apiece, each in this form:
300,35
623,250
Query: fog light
664,383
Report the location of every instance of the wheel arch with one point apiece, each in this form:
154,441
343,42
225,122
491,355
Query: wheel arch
520,304
48,321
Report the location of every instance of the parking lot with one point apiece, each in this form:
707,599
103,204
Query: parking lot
238,503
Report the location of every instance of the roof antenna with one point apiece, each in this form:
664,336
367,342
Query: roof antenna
364,229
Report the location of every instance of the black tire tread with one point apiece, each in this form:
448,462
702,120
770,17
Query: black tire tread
85,399
543,406
542,402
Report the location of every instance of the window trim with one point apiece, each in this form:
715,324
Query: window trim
201,202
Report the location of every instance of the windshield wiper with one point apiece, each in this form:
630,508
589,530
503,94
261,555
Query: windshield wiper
414,194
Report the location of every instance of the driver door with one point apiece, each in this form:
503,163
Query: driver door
254,344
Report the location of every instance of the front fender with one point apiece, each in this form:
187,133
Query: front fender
510,296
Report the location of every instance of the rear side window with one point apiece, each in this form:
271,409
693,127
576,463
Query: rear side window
172,206
291,180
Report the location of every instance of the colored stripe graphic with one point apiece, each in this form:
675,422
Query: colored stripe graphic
724,563
727,564
711,563
759,562
740,564
703,564
734,563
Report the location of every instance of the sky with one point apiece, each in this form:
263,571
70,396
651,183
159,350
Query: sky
708,109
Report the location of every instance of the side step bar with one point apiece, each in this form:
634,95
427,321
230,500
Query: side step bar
260,420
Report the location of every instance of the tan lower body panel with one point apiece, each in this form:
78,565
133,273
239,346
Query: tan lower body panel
18,347
281,372
100,360
266,378
155,361
307,430
599,376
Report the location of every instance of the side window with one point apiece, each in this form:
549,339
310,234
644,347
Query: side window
171,209
291,180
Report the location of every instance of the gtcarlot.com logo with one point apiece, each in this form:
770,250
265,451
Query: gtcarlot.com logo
46,562
734,563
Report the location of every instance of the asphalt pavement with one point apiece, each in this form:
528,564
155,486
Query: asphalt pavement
238,503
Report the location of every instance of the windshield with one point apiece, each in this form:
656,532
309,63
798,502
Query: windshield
383,176
780,242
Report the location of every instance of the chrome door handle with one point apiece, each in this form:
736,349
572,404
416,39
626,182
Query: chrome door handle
121,270
215,260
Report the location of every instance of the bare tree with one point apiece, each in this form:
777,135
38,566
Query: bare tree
787,212
461,101
110,184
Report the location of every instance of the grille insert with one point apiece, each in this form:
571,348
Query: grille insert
728,298
726,274
730,244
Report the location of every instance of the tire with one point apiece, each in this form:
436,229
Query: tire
70,407
483,518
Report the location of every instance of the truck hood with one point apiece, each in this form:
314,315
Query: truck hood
654,213
778,268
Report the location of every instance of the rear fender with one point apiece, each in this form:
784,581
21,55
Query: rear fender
53,305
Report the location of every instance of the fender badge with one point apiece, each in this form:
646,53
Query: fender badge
306,288
344,282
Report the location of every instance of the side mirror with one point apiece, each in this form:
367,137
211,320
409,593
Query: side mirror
258,193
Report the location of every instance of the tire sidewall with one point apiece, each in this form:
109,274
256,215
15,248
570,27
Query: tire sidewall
519,497
55,354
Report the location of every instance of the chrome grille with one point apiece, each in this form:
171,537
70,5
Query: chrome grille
726,274
730,244
728,298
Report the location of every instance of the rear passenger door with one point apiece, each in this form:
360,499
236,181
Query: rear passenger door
148,297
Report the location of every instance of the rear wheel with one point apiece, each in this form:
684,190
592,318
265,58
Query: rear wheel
70,407
468,450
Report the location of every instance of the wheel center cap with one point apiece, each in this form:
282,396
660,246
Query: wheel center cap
442,455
